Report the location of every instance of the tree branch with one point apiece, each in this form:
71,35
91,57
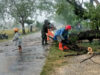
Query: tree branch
78,9
97,2
94,54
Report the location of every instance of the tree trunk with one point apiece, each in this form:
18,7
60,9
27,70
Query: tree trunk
30,28
97,27
23,28
85,35
90,35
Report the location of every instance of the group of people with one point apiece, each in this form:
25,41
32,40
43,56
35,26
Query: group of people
46,31
60,35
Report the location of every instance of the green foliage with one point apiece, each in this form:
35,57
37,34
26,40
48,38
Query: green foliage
38,24
73,37
21,10
3,9
29,22
65,12
93,13
46,6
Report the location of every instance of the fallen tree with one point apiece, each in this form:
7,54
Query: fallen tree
73,46
89,35
85,35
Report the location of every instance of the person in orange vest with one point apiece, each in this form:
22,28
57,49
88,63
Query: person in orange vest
61,35
50,31
17,39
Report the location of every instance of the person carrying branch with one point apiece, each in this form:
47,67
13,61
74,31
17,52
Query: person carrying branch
17,39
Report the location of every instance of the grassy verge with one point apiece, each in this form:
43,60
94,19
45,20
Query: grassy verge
56,57
95,45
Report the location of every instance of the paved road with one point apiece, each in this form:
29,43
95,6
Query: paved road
30,62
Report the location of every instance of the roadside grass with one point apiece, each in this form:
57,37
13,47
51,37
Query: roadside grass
56,57
10,34
95,45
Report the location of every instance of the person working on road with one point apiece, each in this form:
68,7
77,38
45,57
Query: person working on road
44,32
17,39
61,35
50,31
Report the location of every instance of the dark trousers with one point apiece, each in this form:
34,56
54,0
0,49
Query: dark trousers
64,42
44,39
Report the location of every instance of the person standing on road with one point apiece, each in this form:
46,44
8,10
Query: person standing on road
44,32
17,39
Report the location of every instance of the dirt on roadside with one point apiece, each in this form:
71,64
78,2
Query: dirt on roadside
74,67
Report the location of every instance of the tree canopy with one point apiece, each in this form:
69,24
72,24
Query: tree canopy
65,11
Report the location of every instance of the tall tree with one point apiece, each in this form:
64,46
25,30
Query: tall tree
21,10
92,13
3,10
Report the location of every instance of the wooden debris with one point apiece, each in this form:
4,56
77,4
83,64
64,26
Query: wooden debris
94,54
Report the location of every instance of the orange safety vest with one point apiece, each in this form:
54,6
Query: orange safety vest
50,33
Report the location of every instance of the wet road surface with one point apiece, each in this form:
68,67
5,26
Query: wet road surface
29,62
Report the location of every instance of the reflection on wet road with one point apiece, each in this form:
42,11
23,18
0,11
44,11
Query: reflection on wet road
29,62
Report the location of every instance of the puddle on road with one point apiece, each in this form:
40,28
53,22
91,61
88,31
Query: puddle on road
36,43
28,59
17,67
